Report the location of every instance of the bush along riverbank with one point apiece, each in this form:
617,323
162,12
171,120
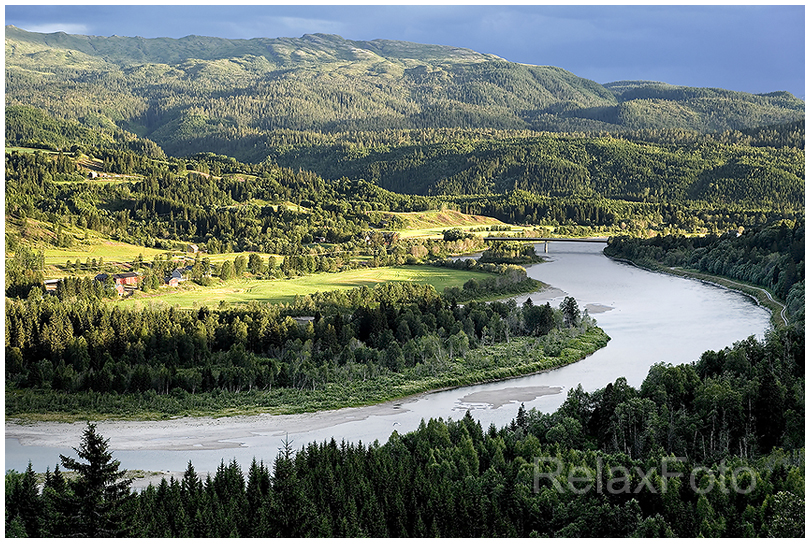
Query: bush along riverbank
520,356
506,280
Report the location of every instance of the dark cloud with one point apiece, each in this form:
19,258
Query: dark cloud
745,48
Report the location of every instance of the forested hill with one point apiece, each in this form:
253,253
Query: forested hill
757,168
198,94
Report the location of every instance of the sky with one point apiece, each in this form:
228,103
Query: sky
751,48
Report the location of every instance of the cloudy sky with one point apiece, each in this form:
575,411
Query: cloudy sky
748,48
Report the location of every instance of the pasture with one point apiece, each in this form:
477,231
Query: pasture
276,291
33,150
93,248
85,244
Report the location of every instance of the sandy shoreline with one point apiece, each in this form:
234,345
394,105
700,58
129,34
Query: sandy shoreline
263,424
549,293
208,433
500,397
191,433
188,433
597,308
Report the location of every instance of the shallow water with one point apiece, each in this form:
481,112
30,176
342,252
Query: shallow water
650,318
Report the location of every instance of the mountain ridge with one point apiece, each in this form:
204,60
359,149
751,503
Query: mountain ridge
198,93
107,46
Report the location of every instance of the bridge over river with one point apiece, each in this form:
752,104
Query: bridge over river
595,240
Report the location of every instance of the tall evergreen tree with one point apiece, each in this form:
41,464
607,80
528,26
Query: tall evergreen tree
97,507
53,497
571,313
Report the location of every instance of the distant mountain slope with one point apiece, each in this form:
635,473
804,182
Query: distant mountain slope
755,168
281,52
33,128
199,93
651,104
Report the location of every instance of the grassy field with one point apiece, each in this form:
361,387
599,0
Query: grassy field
110,251
87,244
443,219
242,291
119,181
430,224
33,150
219,258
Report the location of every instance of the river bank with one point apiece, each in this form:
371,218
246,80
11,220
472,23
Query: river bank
520,356
760,295
193,435
206,434
210,433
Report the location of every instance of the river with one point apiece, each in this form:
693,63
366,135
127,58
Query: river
650,317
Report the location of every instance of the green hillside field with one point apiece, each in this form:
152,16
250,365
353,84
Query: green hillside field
242,291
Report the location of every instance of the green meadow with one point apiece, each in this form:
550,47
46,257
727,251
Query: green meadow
276,291
32,150
436,232
431,224
110,251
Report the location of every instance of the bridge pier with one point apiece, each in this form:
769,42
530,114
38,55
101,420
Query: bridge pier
546,247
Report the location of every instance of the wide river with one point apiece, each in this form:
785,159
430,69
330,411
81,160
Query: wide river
650,318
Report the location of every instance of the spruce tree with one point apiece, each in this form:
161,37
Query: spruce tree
97,507
53,497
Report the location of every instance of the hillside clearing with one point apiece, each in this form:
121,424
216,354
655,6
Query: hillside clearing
431,223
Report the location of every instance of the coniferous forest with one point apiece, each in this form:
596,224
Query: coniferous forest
234,165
